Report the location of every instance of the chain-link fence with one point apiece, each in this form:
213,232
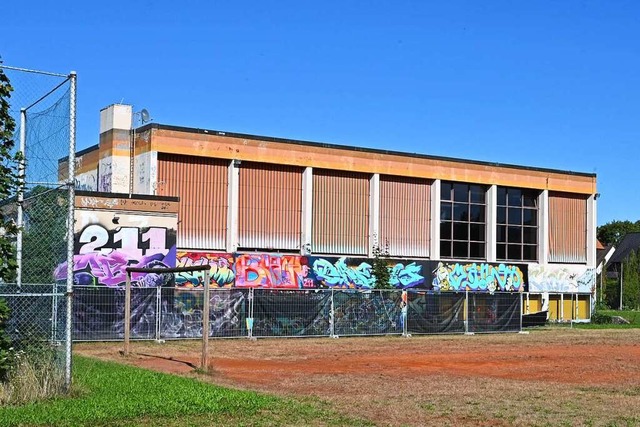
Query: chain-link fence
42,105
175,313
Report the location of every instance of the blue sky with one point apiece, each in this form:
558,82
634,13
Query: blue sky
545,84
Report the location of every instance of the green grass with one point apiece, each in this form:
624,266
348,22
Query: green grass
632,316
112,394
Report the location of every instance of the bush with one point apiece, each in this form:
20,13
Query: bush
6,350
601,318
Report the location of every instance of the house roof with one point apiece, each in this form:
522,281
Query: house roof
630,242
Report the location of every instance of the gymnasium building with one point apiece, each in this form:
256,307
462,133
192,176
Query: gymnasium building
269,212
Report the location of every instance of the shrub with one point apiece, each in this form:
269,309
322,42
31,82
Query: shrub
601,318
6,351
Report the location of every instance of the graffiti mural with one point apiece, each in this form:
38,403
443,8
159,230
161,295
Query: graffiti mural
272,271
343,274
181,313
561,278
479,277
107,241
406,276
221,273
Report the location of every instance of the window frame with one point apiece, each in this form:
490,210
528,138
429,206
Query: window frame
511,240
457,223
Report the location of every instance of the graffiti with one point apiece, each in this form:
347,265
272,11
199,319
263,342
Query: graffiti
93,269
272,271
291,313
105,173
480,277
221,272
561,278
370,313
341,275
408,276
181,317
133,241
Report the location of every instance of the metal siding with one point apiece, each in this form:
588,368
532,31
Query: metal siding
340,212
567,228
404,216
270,207
201,185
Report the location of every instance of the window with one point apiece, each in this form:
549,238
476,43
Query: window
517,224
462,221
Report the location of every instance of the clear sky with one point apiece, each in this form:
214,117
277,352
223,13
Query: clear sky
547,84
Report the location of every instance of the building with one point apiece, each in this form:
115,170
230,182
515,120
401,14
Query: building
272,210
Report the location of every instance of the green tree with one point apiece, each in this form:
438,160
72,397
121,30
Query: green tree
631,281
8,181
612,232
380,268
8,186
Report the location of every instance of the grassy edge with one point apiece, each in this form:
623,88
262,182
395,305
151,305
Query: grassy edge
108,393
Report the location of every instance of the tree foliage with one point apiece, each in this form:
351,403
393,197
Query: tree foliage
8,186
8,180
612,232
631,281
380,269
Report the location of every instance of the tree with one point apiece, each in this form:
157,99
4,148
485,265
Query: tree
612,232
631,281
8,186
380,268
8,180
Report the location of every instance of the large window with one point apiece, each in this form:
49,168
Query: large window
462,221
517,221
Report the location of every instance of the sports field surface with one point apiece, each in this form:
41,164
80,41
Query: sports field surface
554,376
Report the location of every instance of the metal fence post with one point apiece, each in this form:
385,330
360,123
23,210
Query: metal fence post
332,325
205,323
405,309
250,317
158,311
466,312
20,196
70,224
127,314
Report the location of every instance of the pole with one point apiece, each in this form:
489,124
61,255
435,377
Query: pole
621,281
127,314
70,224
21,184
204,364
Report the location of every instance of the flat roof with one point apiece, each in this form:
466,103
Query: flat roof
160,126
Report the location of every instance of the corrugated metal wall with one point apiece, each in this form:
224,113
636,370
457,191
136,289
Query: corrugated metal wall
201,184
340,212
270,206
567,227
404,216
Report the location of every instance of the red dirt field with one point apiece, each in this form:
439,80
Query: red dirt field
555,376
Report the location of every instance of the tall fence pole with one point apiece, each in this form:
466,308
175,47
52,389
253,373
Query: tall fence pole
127,314
204,363
21,185
70,224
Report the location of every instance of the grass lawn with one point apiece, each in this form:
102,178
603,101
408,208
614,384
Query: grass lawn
632,316
112,394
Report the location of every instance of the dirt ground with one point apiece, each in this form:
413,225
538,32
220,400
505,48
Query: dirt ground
555,376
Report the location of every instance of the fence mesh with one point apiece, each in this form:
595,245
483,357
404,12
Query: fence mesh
42,105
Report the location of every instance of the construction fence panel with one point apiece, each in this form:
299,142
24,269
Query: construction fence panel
375,312
177,313
435,313
181,313
498,312
289,313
